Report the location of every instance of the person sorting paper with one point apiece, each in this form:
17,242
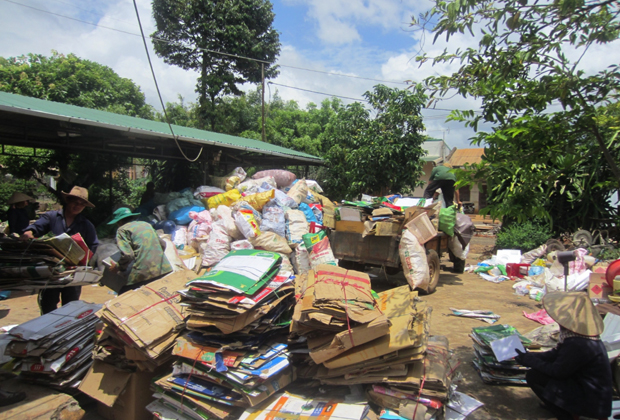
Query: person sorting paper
574,379
69,220
140,245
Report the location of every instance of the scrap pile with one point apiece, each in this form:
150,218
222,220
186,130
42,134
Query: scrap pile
235,355
139,331
50,262
491,370
55,349
380,341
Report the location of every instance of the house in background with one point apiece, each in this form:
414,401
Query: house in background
437,151
476,194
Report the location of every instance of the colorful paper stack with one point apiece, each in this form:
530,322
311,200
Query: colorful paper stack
491,371
56,348
235,354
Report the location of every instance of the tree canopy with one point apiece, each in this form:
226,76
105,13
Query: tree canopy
375,154
72,80
210,37
549,155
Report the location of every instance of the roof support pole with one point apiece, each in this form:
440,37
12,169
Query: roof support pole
262,76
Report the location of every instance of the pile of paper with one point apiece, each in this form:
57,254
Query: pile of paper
141,326
221,382
50,262
244,293
56,349
291,406
235,354
355,336
487,346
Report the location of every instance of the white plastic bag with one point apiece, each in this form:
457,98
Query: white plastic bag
217,247
179,236
413,260
301,260
457,248
273,219
224,215
242,244
296,226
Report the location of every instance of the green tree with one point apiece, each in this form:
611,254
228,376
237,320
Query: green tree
189,33
548,154
379,154
72,80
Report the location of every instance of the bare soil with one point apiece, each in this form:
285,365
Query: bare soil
461,291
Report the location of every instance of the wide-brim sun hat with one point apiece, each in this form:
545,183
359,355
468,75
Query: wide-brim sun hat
120,214
18,197
574,311
78,192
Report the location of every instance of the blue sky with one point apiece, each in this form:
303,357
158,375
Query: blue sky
361,38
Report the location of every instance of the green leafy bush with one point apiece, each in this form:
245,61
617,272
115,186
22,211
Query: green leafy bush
524,236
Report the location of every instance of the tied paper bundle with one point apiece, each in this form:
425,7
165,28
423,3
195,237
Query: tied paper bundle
141,325
336,311
246,292
219,380
404,362
49,262
489,368
55,349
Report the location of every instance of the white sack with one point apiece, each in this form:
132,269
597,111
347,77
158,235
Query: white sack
413,260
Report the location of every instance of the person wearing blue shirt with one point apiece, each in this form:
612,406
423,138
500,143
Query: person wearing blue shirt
69,220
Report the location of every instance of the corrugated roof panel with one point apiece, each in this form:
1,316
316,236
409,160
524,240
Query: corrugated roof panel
87,116
463,156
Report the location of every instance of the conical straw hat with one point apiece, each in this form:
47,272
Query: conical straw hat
18,197
574,311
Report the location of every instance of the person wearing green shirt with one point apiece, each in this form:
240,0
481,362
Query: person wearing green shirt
142,253
441,177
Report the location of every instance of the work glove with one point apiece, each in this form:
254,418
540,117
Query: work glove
523,358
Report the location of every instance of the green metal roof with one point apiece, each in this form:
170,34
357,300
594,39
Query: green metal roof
92,117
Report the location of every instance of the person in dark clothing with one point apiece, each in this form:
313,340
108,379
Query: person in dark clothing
17,214
574,379
441,177
149,194
69,220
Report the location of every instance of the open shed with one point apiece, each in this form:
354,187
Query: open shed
37,123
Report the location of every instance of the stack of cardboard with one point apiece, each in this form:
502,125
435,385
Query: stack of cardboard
490,369
244,293
139,332
50,262
55,349
390,350
235,355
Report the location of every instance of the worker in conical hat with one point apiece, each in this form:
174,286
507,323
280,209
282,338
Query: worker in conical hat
574,379
17,213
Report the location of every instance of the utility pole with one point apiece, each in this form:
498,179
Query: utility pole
262,74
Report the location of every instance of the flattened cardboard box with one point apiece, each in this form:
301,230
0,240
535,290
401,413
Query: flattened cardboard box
409,324
151,312
598,288
345,226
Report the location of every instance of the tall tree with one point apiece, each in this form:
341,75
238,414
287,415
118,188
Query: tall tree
72,80
379,154
210,36
561,165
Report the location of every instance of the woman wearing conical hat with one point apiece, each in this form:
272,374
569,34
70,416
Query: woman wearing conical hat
17,213
574,379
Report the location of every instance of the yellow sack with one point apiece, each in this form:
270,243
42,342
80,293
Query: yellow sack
225,199
270,241
259,200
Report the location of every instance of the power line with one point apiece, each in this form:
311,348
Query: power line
206,49
232,55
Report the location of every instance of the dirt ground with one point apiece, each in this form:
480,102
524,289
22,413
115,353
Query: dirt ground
461,291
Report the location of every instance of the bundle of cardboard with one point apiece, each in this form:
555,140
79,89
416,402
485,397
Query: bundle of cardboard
56,348
141,325
244,293
354,338
49,262
489,368
235,354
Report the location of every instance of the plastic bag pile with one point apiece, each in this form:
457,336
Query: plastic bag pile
272,210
